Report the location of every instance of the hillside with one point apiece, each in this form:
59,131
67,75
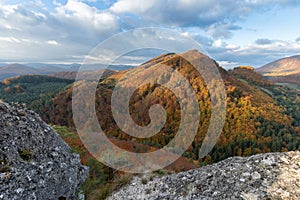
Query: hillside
285,70
83,74
34,90
284,94
264,176
292,79
256,121
282,67
249,74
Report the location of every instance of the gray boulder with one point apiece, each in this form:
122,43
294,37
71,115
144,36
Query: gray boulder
263,176
35,163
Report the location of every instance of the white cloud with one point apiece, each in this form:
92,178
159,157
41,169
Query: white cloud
10,39
220,45
8,9
255,54
232,47
133,6
80,14
228,65
30,31
53,42
217,17
74,28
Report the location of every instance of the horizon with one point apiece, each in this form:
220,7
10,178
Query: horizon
130,65
233,33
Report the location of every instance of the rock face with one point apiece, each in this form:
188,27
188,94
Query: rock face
35,163
264,176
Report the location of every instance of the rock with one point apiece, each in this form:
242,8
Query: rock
35,163
255,176
263,176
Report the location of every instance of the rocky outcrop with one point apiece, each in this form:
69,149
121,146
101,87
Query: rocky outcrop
35,163
264,176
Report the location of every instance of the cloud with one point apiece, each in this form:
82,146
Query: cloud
218,18
220,30
52,42
228,65
52,31
10,39
177,12
263,41
84,18
63,32
257,54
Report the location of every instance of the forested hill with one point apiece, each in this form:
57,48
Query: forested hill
284,95
34,90
261,117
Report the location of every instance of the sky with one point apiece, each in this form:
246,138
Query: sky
234,33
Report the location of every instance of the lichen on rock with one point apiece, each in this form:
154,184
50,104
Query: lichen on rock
35,163
263,176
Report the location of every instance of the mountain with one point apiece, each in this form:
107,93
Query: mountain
255,112
285,70
68,70
76,66
3,64
120,67
16,70
65,67
13,70
51,69
282,67
263,176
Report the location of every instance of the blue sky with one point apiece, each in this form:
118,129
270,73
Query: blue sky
245,32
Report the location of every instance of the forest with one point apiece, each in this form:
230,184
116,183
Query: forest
261,116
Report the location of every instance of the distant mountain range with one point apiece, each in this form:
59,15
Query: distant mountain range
285,70
18,69
12,70
74,66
